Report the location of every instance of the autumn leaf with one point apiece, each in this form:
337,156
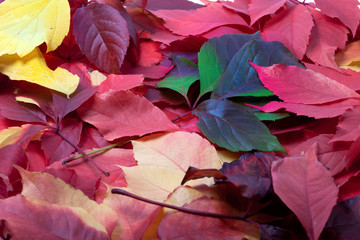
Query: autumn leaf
342,221
102,35
28,220
26,24
162,166
230,126
215,55
347,11
307,188
292,27
32,68
193,22
297,90
42,188
20,135
126,114
349,57
180,225
260,8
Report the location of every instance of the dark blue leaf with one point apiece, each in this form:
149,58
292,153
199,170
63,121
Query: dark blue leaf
215,56
230,126
240,79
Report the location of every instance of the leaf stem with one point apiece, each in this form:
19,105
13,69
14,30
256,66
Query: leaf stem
70,159
56,130
180,116
181,209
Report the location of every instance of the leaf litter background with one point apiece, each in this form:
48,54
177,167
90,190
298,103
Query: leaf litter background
246,110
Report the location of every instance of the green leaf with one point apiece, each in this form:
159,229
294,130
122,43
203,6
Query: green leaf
240,79
215,56
231,126
181,77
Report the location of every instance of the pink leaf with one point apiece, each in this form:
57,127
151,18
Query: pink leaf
179,225
102,35
194,22
346,10
260,8
307,188
296,85
238,6
291,27
347,77
348,127
120,114
317,111
326,36
120,82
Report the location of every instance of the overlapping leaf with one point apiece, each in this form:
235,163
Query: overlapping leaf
239,78
230,126
216,54
33,68
26,24
102,35
307,188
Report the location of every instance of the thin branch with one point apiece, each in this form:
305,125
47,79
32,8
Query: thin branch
181,209
56,130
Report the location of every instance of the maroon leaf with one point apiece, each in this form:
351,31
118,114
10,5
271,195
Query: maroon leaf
54,146
62,105
11,155
193,173
307,188
344,221
13,110
102,35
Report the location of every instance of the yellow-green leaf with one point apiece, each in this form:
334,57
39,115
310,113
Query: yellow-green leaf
32,68
25,24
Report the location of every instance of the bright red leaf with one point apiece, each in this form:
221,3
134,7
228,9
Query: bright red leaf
307,188
120,82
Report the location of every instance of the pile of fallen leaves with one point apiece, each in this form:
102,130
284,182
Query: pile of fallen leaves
172,120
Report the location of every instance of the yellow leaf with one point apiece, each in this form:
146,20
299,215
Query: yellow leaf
25,24
44,188
10,135
32,68
163,160
349,57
